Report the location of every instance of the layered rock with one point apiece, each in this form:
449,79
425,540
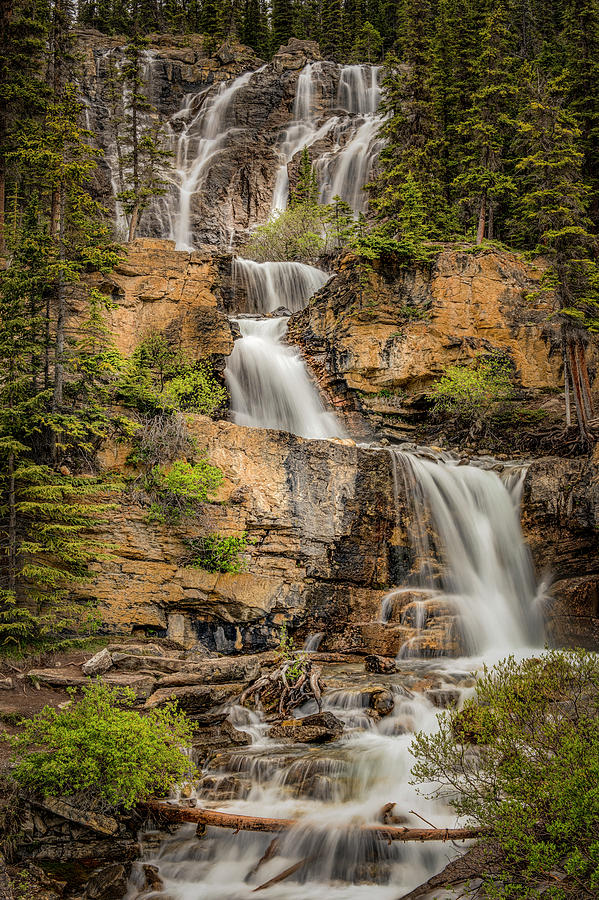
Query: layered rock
380,337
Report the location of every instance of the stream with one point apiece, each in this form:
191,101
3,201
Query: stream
472,597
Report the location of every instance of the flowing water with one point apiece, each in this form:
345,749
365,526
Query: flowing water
270,386
272,285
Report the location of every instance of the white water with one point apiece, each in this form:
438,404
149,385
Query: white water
345,169
270,386
199,133
271,285
486,572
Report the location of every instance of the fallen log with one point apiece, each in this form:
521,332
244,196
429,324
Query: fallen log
282,875
218,819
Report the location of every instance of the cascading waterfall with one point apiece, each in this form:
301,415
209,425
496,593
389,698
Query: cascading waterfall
345,170
268,381
479,564
199,133
271,285
270,386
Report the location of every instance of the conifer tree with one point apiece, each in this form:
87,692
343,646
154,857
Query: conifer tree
331,40
282,23
140,146
488,124
368,44
552,213
306,188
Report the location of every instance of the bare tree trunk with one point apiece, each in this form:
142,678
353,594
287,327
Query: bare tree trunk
567,391
491,222
581,413
584,381
480,234
133,222
60,313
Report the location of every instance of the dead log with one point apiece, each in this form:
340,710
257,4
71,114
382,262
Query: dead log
282,875
218,819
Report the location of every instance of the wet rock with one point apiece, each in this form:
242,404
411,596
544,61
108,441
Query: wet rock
194,698
382,702
380,665
443,698
109,883
98,664
217,671
213,738
141,684
152,879
317,729
96,821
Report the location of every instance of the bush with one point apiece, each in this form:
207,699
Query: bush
217,553
470,392
295,234
160,379
179,489
100,752
531,780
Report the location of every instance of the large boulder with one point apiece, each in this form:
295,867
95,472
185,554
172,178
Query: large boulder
317,729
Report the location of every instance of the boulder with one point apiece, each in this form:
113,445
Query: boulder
379,665
194,699
317,729
98,664
443,698
109,883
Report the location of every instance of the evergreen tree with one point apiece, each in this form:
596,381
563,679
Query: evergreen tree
331,40
368,44
306,188
484,182
282,23
141,152
552,213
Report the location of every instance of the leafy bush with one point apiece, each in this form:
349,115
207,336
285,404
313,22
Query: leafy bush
531,779
160,379
296,233
217,553
469,392
102,752
296,661
179,489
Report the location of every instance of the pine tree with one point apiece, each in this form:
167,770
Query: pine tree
552,215
581,39
331,40
143,156
282,23
488,124
368,44
305,192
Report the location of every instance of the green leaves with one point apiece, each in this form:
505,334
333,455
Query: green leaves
102,751
532,781
217,553
179,489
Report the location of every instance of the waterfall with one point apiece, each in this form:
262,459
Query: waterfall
270,285
270,386
302,131
345,169
477,564
199,133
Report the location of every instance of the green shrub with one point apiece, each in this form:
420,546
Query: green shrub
160,379
178,490
295,661
217,553
101,752
532,780
469,392
296,233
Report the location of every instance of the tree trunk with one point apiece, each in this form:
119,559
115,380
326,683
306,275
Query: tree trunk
490,223
581,412
567,391
12,524
133,222
480,234
219,819
60,312
2,212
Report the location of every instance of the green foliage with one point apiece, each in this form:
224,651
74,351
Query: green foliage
100,751
296,233
305,192
471,393
160,379
295,661
217,553
179,489
532,781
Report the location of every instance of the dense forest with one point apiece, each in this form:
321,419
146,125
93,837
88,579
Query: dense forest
491,130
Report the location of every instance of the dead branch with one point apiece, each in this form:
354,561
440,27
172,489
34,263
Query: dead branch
279,691
282,875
